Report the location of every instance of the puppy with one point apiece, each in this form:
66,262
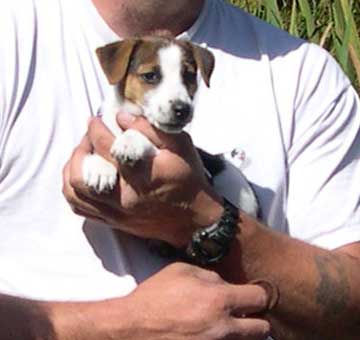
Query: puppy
155,76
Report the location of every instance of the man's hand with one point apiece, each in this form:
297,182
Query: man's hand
181,302
166,197
186,302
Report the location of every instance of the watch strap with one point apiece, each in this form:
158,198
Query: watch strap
209,245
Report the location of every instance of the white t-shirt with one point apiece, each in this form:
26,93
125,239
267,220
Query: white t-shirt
281,106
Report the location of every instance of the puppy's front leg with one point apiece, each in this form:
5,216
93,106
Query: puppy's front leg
132,146
98,173
128,148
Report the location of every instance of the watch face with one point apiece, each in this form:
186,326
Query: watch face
205,247
211,248
210,245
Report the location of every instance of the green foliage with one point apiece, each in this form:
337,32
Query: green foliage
333,24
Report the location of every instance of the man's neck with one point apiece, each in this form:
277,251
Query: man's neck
139,17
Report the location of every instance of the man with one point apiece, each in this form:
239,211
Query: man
286,103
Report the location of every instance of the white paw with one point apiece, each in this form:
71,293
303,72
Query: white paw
99,174
132,146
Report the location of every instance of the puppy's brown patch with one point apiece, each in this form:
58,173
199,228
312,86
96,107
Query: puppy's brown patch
145,60
126,62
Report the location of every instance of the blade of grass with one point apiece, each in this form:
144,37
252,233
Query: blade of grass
273,14
343,52
338,18
293,24
321,21
356,62
349,18
309,19
326,34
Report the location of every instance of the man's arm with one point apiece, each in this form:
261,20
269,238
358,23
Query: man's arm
23,319
180,302
319,289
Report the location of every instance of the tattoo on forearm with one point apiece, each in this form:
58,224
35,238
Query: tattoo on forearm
333,291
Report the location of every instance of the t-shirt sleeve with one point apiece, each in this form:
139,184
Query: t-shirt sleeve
323,206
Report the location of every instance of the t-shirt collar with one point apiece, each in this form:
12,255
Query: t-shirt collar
189,33
107,35
100,28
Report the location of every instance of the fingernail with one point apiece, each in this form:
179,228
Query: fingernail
125,117
267,330
89,120
272,292
99,112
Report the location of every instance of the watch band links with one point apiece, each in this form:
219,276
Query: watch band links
209,245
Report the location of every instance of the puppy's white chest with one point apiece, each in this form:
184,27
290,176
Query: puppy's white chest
129,146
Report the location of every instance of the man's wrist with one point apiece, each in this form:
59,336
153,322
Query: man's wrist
91,320
210,244
205,210
208,207
72,320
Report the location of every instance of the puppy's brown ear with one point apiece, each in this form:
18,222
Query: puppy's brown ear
114,59
205,61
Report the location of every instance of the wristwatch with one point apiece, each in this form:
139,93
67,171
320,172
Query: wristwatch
209,245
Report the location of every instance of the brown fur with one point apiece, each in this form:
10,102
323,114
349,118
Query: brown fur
123,62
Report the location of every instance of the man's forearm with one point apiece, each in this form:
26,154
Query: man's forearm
22,319
319,289
181,301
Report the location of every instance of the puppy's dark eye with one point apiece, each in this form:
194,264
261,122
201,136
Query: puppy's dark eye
189,76
152,77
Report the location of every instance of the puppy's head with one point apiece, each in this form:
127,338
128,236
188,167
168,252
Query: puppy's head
158,74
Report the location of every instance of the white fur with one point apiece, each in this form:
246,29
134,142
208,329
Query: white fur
131,146
98,173
158,101
112,104
232,184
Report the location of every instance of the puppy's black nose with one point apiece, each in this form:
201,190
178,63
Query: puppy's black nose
181,111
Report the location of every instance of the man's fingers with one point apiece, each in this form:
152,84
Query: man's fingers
159,138
101,138
81,204
249,328
78,205
72,172
74,187
74,168
142,125
246,299
84,146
